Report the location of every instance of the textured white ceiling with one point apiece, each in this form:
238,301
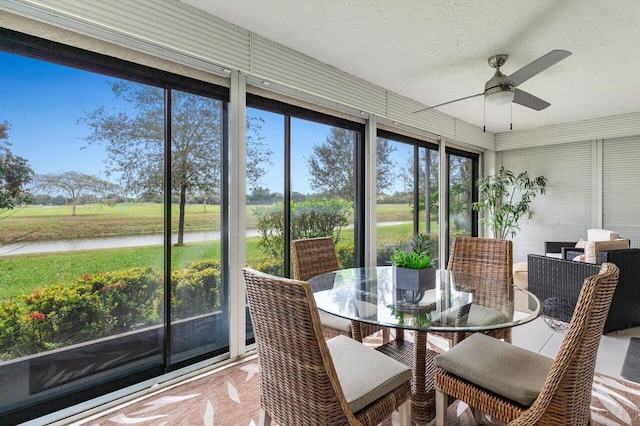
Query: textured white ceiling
434,51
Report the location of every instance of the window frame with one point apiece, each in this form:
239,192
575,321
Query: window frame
25,45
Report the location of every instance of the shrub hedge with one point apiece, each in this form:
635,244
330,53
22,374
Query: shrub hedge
102,305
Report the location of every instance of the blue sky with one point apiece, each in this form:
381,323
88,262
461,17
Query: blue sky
37,104
42,103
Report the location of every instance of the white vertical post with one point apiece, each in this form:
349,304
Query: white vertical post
237,214
370,188
443,204
596,184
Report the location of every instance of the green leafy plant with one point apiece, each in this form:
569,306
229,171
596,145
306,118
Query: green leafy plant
196,289
507,197
418,257
318,217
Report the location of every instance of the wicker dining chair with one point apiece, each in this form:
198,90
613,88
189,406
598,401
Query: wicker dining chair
520,387
315,256
308,380
484,257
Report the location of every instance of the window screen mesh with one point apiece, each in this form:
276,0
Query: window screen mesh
563,213
620,187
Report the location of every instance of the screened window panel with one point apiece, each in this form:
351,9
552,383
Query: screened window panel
407,171
620,190
563,213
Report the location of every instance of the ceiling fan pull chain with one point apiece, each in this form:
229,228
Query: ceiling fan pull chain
484,117
511,120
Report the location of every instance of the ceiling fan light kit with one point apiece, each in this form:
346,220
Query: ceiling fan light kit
501,96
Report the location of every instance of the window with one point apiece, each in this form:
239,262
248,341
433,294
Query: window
462,193
311,187
114,226
407,176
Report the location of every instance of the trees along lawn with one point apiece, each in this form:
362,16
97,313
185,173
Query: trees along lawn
22,274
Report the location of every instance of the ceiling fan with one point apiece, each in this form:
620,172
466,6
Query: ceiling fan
501,89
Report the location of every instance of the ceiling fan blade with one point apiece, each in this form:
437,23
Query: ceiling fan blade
527,99
446,103
535,67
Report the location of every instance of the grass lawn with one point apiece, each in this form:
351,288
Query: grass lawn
22,274
95,220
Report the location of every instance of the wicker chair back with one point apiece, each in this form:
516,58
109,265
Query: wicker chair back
566,394
298,381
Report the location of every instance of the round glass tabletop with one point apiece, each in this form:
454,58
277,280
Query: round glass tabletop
430,299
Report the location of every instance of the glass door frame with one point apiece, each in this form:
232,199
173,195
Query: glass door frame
475,175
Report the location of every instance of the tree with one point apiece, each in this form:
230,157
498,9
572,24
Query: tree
135,143
75,185
460,196
426,156
15,173
332,165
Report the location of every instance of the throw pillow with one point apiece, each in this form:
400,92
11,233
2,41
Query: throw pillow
601,235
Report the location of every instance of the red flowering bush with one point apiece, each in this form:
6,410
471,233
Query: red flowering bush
62,315
104,304
37,316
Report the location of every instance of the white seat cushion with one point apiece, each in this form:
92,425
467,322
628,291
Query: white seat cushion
335,322
365,374
505,369
556,255
478,316
592,248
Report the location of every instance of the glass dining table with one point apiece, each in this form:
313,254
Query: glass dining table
442,301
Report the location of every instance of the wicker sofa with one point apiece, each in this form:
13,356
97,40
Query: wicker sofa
552,277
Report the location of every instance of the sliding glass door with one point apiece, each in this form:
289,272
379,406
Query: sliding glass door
112,225
311,189
462,190
407,172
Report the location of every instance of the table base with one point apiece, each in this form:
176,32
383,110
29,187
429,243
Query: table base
420,359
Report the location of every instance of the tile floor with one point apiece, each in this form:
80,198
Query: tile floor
539,337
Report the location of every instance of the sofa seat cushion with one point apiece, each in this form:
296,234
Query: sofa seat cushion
592,248
556,255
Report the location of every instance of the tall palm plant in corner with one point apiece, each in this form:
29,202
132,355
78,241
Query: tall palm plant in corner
506,197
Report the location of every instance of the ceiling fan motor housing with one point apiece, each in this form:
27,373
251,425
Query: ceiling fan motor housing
496,92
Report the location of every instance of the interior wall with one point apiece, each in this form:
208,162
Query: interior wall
563,213
620,189
591,184
598,128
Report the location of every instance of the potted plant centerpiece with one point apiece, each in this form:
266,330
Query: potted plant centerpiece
413,270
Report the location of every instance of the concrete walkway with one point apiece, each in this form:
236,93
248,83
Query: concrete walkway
115,242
